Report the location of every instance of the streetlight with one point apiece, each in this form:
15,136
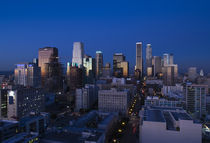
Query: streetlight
120,130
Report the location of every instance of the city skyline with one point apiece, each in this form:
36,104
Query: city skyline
64,60
105,71
181,28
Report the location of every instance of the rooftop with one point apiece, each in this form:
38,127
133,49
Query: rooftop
5,123
84,119
23,137
181,116
154,116
61,138
165,115
168,108
107,119
32,118
66,137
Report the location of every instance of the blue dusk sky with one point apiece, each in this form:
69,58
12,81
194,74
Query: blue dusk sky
181,27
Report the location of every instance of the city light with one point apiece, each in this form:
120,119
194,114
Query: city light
120,130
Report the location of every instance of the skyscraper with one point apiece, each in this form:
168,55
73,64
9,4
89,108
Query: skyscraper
35,61
46,55
27,75
99,63
54,77
86,97
169,70
78,54
156,64
149,56
139,58
89,64
171,59
149,71
170,74
34,75
107,70
168,59
75,77
125,68
117,69
21,74
148,59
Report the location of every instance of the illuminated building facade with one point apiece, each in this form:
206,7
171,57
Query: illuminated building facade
149,71
89,65
168,59
125,68
117,59
156,64
139,60
149,56
170,74
107,70
99,63
27,75
21,73
46,55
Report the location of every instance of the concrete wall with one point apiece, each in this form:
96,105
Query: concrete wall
155,132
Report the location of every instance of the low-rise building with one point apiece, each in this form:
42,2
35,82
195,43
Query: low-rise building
66,137
27,130
23,138
8,129
90,128
113,100
34,123
86,97
172,90
161,102
166,125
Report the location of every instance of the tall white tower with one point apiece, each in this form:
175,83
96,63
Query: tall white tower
78,54
149,56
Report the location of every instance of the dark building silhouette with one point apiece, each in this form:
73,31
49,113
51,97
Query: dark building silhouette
75,77
3,103
54,77
99,64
